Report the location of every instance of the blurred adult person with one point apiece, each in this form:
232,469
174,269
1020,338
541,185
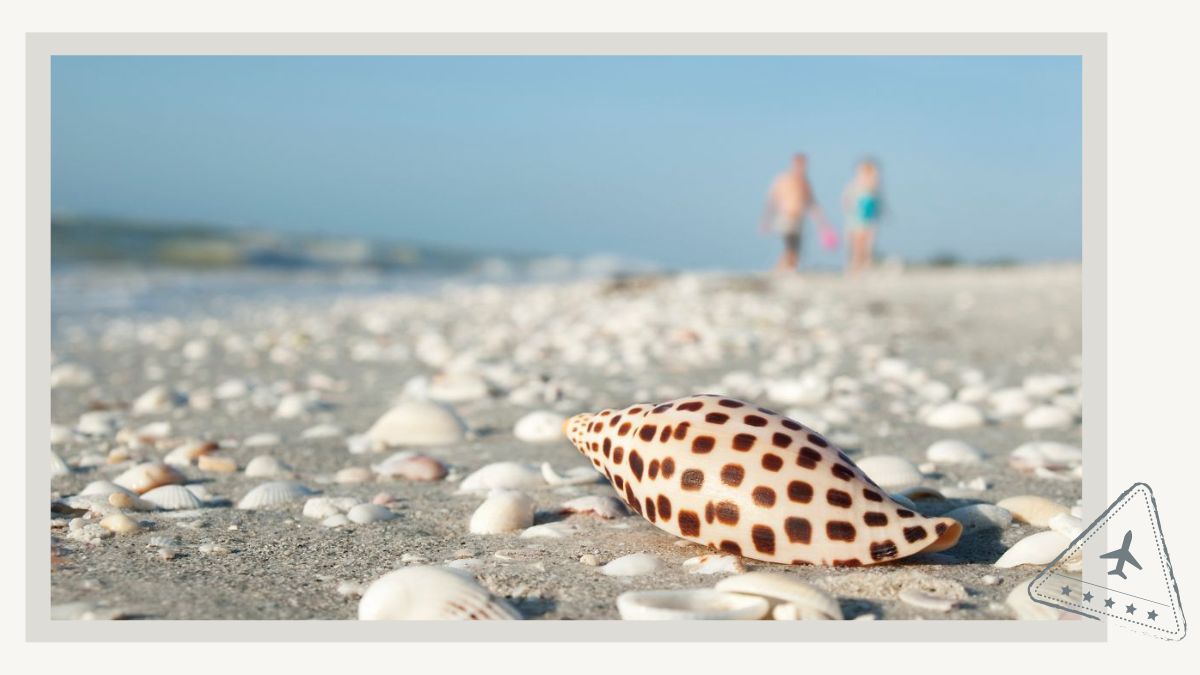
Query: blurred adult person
790,200
862,203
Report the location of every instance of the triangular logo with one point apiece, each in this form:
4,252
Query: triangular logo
1118,569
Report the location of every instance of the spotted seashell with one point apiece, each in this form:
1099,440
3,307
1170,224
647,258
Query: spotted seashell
430,593
173,498
274,493
748,481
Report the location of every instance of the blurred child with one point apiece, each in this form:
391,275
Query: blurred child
789,200
863,206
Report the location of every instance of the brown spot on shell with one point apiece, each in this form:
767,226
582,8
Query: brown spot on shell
800,491
727,513
650,510
716,418
838,498
799,530
883,550
732,474
840,530
808,458
743,442
763,496
689,523
664,507
691,406
691,479
872,495
635,464
772,462
729,403
703,444
763,538
915,533
668,467
755,420
731,547
681,431
842,471
875,519
652,470
647,432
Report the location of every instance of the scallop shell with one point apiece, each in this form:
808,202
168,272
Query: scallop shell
503,476
540,426
1036,549
173,498
745,480
783,589
502,511
632,565
145,477
891,472
1032,509
418,423
953,451
274,494
690,604
430,593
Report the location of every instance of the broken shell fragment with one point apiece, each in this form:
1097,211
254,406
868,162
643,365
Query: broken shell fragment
605,506
780,588
1036,549
632,565
689,604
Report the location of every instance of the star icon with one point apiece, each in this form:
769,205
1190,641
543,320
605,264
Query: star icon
1130,609
1087,597
1152,615
1066,590
1108,602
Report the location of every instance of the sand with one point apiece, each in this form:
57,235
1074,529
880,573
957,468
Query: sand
598,344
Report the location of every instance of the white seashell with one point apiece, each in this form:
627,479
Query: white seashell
262,440
502,511
935,392
548,531
352,475
272,494
456,388
1036,549
1067,525
103,488
410,466
1045,385
369,513
1047,417
890,471
99,423
418,423
321,431
952,451
690,604
148,476
231,389
1026,609
605,506
973,393
119,523
187,453
783,589
981,517
579,475
1009,403
954,415
70,375
714,563
336,520
293,405
923,600
990,580
58,466
789,612
632,565
1045,455
153,431
1032,509
430,593
266,466
173,498
540,426
892,369
504,476
320,507
59,434
157,401
126,501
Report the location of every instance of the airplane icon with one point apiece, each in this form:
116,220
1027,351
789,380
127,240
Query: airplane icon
1122,556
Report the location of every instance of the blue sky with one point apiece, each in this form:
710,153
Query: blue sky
653,158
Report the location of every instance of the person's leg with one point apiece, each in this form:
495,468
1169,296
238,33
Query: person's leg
791,252
868,248
855,250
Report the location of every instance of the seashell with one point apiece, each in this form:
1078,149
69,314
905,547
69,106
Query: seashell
417,423
145,477
690,604
214,464
1067,525
410,466
189,452
157,400
266,466
369,513
272,494
58,466
456,388
103,488
890,471
321,431
1032,509
336,520
789,612
230,389
548,531
952,451
954,415
604,506
293,405
119,523
1036,549
973,393
59,434
321,507
152,432
923,600
540,426
1047,417
1026,609
750,482
262,440
1009,403
502,511
173,498
580,475
353,474
632,565
430,593
70,375
981,517
1045,385
1045,455
783,589
124,500
503,476
99,423
714,563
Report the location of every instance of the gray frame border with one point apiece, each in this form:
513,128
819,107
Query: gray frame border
40,47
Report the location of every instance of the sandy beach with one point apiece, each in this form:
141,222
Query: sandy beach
883,365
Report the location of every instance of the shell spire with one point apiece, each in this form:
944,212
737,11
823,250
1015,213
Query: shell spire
748,481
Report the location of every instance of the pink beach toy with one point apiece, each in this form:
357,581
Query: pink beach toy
829,238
